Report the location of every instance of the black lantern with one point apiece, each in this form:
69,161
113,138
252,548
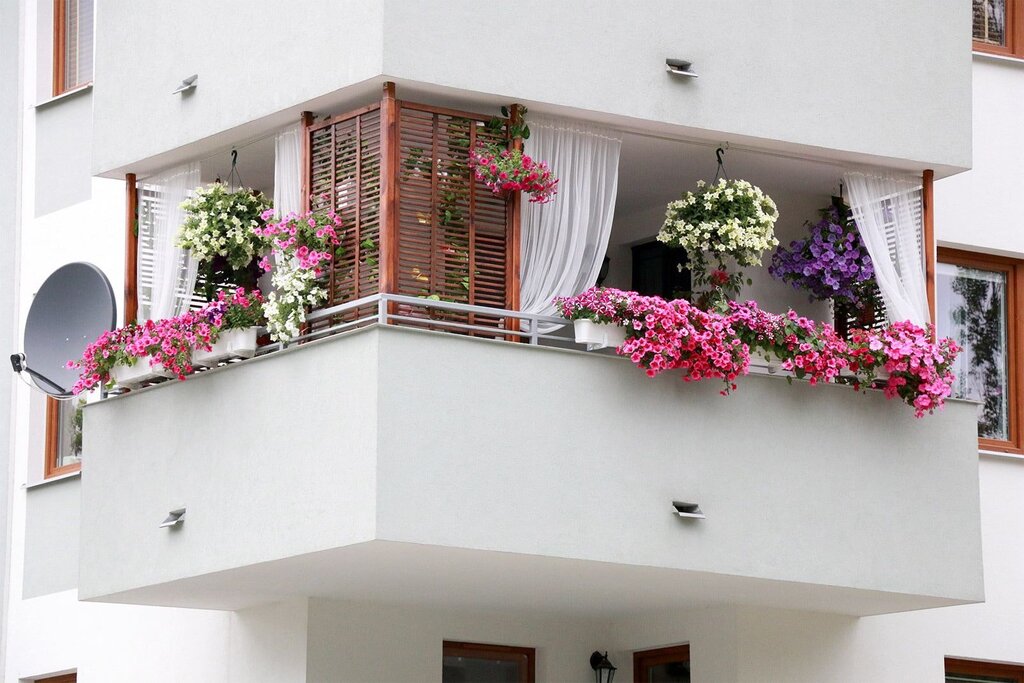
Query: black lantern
604,671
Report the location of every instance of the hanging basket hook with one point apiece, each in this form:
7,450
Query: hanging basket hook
720,173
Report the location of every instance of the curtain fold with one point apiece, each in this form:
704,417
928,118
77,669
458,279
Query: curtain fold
288,171
564,242
167,274
889,214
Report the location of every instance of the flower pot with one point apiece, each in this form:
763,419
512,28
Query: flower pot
598,335
131,376
240,343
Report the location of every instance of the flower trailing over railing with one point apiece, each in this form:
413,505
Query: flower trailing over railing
729,220
302,247
919,369
670,335
664,335
219,232
505,170
168,342
811,351
830,263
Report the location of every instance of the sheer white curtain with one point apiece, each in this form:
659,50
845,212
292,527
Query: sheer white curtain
564,242
889,214
288,171
167,274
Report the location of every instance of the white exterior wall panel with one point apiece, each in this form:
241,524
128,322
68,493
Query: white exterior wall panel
868,78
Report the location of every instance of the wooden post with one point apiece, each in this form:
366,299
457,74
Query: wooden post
928,239
131,249
389,190
512,232
306,119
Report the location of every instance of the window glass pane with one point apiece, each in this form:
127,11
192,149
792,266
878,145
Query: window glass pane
673,672
989,19
69,442
77,43
966,678
972,311
481,670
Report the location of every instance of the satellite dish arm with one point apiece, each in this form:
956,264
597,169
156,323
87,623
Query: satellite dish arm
18,363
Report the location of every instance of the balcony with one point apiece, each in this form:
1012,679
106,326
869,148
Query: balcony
375,461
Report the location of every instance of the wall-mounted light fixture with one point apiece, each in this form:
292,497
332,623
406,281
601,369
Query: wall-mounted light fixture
188,84
174,518
684,509
604,670
679,67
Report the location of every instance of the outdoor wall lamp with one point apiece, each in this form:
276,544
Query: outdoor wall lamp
604,671
679,67
174,518
187,84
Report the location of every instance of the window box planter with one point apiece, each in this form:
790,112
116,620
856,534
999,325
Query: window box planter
239,343
598,335
132,376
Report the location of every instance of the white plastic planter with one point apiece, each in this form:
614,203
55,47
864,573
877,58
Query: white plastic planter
230,344
598,335
131,376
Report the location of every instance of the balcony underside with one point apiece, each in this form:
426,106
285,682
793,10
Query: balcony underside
415,466
407,573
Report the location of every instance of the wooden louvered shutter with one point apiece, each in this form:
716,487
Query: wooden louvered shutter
452,242
415,221
345,176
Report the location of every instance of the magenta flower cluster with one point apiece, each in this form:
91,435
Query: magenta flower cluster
510,170
311,237
167,342
920,371
829,263
665,335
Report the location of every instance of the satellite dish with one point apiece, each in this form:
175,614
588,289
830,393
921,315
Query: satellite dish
73,307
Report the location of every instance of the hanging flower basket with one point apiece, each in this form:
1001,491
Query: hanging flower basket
509,170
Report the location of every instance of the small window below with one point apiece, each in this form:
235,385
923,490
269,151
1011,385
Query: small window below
664,665
63,678
659,270
970,671
477,663
72,44
63,436
996,26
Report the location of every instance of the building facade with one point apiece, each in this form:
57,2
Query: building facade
426,488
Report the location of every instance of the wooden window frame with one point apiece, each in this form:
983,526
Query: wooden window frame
52,445
62,678
971,667
503,652
1014,271
1014,33
644,659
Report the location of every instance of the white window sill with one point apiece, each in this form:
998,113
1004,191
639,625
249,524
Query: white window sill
998,454
51,480
68,94
988,56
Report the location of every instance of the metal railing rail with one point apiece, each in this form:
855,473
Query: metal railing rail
386,313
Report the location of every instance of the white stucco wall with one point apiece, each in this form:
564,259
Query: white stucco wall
791,72
978,209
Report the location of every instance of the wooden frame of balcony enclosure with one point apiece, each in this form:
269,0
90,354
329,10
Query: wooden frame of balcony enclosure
414,220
